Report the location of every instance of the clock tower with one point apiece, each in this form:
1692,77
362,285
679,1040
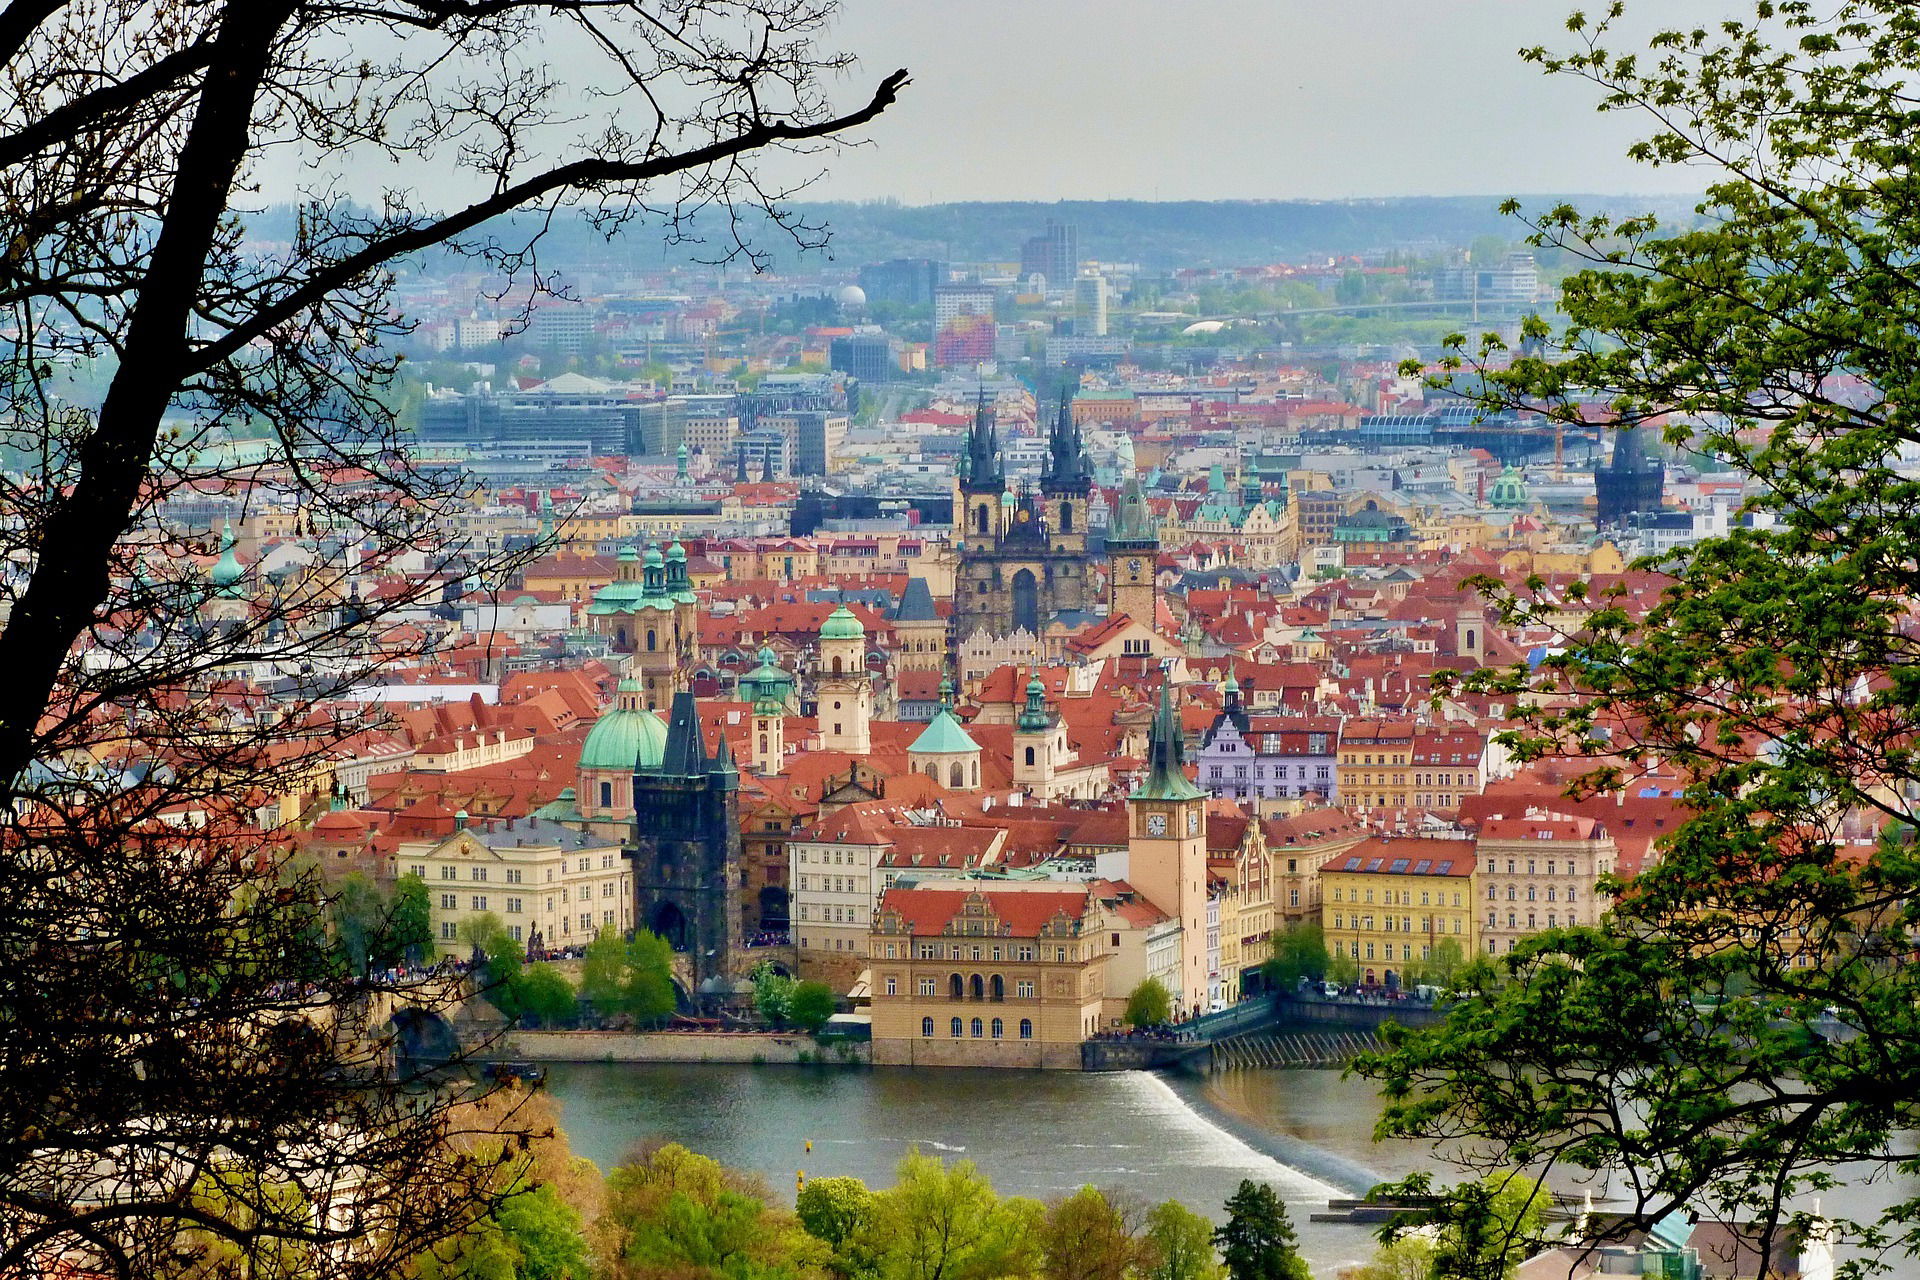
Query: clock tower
1167,850
1133,551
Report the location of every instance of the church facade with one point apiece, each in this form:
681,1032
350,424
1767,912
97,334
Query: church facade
1023,552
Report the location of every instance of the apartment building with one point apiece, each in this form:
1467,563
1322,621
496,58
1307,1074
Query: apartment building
551,885
1540,870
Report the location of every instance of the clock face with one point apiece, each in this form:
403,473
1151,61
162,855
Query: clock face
1156,824
1133,567
1193,822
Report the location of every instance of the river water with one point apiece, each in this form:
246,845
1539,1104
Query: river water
1040,1134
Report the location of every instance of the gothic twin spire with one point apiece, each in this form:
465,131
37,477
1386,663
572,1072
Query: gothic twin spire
1067,466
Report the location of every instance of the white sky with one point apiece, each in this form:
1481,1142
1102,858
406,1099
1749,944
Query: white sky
1222,99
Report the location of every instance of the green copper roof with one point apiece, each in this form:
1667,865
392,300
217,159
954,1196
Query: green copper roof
842,625
227,571
626,738
943,736
1167,775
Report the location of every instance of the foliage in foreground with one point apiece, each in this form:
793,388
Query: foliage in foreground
1778,676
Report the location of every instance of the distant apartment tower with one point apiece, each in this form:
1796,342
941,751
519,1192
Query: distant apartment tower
963,323
814,438
1090,294
1054,253
870,357
907,282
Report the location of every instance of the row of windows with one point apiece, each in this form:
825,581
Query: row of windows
1553,919
450,929
513,874
1396,897
1320,772
1386,950
993,987
1393,924
1512,893
979,1029
831,884
973,951
834,914
831,857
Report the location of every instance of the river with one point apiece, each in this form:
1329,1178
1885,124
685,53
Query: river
1040,1134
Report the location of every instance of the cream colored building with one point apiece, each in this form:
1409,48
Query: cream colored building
541,878
973,975
1540,870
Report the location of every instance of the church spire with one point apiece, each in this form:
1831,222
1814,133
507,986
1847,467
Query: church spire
983,448
1166,759
1066,452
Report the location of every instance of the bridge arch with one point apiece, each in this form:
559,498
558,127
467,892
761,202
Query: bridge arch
422,1038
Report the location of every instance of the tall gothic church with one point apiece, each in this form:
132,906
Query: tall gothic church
1023,554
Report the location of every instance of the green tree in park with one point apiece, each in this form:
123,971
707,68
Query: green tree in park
1482,1230
1087,1236
545,995
772,994
944,1222
1181,1244
671,1212
630,977
809,1005
1149,1004
1299,951
501,960
1257,1241
1778,334
410,932
834,1209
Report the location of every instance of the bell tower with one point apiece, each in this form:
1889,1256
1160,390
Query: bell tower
1167,849
980,480
842,686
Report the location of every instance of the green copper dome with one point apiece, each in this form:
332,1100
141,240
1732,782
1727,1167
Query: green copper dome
943,736
842,625
653,559
626,737
227,571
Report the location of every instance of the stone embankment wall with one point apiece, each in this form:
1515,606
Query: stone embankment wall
680,1046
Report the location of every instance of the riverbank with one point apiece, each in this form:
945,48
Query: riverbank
739,1048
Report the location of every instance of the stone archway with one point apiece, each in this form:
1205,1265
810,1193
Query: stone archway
670,922
422,1039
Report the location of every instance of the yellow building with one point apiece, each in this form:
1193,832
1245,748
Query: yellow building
967,975
549,883
1388,902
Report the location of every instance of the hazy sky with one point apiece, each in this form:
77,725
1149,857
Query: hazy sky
1215,99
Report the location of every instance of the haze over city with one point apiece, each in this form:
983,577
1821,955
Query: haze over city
769,640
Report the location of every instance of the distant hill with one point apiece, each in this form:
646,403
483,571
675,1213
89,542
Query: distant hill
1155,234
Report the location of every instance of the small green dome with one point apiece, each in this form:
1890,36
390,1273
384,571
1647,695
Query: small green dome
1036,689
1006,497
626,737
677,552
628,553
767,657
653,559
842,625
1230,685
227,571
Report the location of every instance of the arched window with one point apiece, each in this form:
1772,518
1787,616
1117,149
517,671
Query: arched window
976,773
620,638
979,988
979,1029
1026,1028
606,795
836,664
926,1027
956,989
957,775
980,518
1066,517
998,987
999,1028
763,744
652,640
955,1028
1473,641
1029,757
